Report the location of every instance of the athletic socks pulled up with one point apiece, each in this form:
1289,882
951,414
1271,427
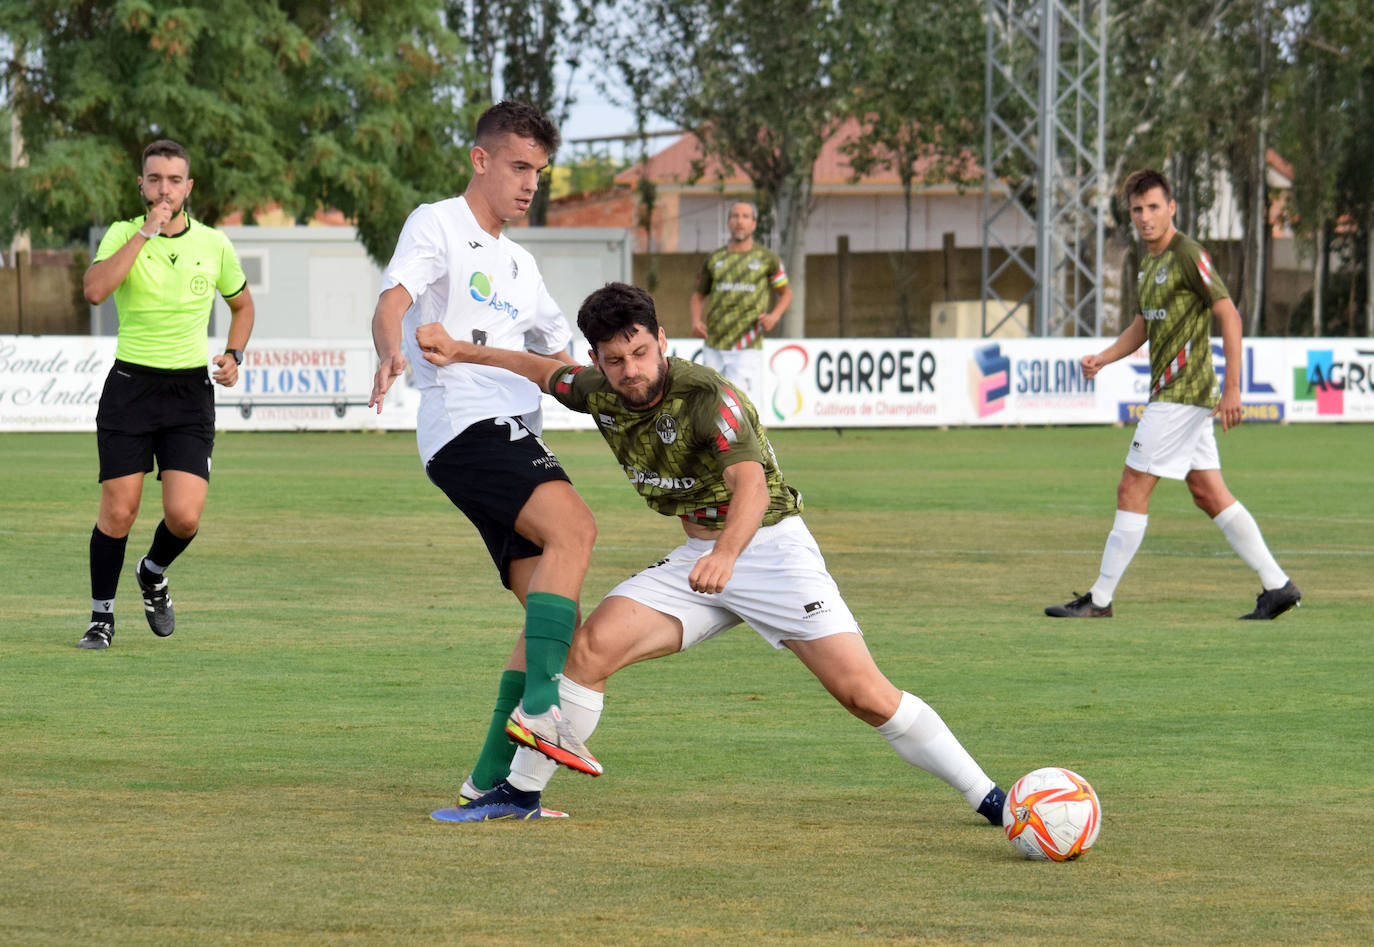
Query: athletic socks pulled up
920,737
1243,533
549,623
107,560
1128,531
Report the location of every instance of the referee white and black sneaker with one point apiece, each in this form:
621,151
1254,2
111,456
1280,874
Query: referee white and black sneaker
157,601
97,637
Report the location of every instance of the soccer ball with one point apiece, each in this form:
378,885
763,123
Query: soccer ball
1052,814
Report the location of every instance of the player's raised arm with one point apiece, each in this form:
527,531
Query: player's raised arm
440,348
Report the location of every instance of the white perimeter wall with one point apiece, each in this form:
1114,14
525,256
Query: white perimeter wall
53,383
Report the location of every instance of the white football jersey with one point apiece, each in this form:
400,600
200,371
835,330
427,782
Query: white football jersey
484,289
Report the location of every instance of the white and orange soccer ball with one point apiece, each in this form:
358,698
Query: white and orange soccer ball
1052,814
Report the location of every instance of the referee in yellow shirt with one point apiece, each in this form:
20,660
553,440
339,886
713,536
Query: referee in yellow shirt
164,269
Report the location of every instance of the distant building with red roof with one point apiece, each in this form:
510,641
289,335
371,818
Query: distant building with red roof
693,194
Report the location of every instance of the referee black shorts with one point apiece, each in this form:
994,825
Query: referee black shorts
489,471
148,414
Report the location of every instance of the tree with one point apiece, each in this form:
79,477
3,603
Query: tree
1327,130
379,120
918,98
516,47
755,81
1198,107
306,104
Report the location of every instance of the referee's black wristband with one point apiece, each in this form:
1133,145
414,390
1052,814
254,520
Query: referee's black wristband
237,354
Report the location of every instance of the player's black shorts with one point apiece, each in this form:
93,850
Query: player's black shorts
154,413
489,472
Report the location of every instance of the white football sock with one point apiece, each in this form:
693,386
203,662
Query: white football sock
921,738
581,706
1243,533
1128,529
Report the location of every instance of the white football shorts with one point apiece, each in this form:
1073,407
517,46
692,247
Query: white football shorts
742,366
1172,439
780,588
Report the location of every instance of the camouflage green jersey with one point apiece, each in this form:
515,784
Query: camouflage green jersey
1177,288
738,287
676,452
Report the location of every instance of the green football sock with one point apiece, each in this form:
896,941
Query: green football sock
493,762
549,622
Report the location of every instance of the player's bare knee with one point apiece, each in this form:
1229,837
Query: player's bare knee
183,525
117,518
591,659
575,536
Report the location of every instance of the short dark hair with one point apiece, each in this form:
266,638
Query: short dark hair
615,310
1146,179
516,118
165,148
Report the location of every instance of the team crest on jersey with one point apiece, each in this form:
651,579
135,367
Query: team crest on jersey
514,269
755,265
666,426
1162,275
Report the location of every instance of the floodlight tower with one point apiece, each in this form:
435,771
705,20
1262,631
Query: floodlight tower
1044,164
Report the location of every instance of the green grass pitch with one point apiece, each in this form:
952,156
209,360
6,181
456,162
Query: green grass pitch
265,775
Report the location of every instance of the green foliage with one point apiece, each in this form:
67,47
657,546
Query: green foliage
308,104
756,81
913,70
589,172
516,48
265,774
380,121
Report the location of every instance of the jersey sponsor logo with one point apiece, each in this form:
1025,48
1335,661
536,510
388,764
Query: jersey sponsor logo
666,426
479,336
653,479
607,421
1154,315
728,287
479,287
814,609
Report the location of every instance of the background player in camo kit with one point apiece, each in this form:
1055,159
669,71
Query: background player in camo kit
743,291
1179,293
693,447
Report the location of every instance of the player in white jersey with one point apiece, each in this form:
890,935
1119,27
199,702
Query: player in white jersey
478,429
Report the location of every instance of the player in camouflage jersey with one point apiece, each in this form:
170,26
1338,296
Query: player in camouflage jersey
743,290
693,447
1179,292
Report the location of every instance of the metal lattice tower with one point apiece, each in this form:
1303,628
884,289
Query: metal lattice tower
1044,166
